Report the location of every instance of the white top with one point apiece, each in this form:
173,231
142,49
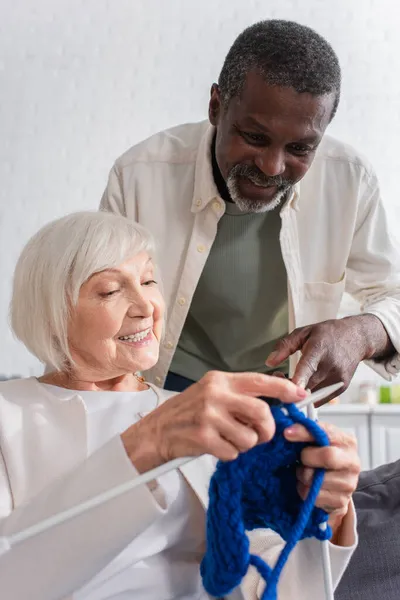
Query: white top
163,562
334,235
45,470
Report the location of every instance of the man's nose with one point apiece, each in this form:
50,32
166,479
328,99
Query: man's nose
271,161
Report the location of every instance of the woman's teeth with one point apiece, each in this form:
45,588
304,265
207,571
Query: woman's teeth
136,337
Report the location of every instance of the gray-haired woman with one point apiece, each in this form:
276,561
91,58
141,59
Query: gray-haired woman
86,301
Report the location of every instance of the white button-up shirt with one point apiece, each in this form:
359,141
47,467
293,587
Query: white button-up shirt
334,234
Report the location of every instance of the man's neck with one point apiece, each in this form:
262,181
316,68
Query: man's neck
219,180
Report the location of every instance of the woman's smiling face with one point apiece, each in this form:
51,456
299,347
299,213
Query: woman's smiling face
116,326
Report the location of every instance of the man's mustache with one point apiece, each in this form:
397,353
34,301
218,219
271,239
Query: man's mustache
257,177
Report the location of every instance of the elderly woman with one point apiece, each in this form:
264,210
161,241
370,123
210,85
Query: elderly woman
86,301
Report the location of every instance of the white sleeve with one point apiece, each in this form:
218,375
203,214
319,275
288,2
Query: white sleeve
373,269
113,199
57,562
302,576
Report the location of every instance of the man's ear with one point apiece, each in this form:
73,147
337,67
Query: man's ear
214,107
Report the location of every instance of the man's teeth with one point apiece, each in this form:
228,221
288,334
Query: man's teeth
259,184
137,337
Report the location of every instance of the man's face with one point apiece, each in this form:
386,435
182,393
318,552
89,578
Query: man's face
266,140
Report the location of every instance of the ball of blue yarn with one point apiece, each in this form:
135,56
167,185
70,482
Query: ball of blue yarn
258,490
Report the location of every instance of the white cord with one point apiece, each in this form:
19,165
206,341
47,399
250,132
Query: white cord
326,561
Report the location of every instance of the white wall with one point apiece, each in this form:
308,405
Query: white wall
82,80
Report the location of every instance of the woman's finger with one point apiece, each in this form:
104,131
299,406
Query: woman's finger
331,458
334,481
259,384
240,435
252,412
329,501
298,433
209,441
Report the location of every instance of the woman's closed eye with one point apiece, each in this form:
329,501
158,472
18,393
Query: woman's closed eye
149,282
109,293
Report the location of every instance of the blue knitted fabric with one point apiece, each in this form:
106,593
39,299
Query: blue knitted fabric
258,490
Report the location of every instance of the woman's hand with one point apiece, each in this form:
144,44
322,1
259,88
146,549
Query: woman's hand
220,415
342,465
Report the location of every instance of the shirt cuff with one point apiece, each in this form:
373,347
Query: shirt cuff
348,532
390,367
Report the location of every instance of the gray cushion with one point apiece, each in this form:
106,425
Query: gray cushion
374,570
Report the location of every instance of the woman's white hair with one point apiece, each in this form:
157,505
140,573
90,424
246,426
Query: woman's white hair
52,268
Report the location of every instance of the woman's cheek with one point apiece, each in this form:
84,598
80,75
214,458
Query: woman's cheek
159,314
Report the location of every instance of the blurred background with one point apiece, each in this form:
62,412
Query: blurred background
82,80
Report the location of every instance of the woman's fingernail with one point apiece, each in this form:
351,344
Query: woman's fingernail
301,393
291,431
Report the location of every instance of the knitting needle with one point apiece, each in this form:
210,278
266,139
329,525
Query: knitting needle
326,561
321,394
75,511
315,397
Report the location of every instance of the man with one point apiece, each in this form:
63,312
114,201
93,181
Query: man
262,222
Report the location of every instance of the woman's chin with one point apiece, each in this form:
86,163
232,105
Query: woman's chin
147,357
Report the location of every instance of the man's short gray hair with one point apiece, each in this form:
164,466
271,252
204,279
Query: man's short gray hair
286,54
52,268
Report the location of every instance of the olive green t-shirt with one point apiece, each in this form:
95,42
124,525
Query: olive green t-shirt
240,306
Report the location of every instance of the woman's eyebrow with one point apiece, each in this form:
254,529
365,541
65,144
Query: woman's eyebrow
115,271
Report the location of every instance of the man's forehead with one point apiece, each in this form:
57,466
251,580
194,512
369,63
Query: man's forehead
264,103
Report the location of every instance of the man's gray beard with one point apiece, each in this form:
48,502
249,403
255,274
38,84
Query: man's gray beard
254,206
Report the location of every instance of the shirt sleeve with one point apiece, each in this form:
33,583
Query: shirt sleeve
373,269
302,576
55,563
113,199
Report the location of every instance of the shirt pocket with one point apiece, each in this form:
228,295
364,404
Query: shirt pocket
321,301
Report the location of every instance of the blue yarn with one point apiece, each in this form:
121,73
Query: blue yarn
258,490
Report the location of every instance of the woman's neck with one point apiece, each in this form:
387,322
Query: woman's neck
78,381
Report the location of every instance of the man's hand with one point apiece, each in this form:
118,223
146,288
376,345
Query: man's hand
332,350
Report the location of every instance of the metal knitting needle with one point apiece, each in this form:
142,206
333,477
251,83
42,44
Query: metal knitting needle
326,560
321,394
315,397
6,543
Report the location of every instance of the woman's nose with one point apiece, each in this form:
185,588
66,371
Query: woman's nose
271,161
140,307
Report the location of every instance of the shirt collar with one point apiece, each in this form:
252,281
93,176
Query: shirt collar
293,200
205,189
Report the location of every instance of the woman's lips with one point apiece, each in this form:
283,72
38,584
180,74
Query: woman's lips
141,338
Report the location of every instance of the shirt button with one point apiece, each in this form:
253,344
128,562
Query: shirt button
200,248
182,301
169,345
158,380
198,202
217,206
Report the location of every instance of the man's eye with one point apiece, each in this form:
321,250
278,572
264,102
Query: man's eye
149,282
300,150
253,138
